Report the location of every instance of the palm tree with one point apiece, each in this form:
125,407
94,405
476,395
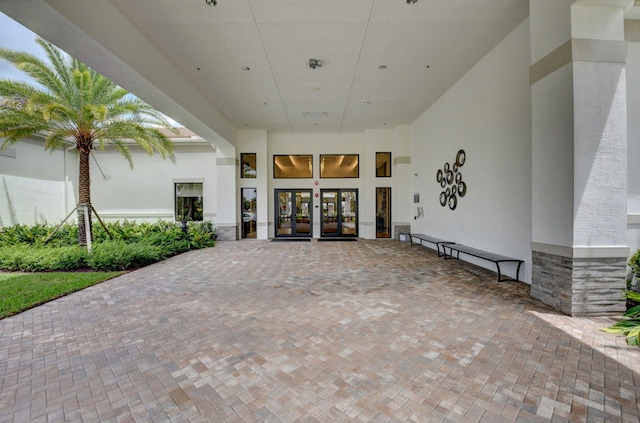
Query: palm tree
72,103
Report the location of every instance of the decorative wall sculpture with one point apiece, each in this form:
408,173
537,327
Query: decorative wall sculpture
450,180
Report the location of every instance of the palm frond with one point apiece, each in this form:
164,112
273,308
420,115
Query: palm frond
55,139
36,68
58,61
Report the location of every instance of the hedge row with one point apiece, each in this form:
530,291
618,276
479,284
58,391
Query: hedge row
133,245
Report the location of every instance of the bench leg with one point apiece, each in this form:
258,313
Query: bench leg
501,279
450,256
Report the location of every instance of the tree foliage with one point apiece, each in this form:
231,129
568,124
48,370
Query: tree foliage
70,103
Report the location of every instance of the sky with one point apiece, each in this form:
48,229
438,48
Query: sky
16,37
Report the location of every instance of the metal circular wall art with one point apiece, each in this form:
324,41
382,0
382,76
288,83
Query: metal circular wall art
450,179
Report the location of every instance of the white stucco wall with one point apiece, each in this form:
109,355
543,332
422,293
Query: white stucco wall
488,114
34,184
146,192
552,123
551,26
633,144
402,196
553,155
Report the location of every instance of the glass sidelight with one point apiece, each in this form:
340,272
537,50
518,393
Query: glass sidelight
339,212
293,213
383,212
249,213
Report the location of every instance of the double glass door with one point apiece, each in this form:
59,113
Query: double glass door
339,212
293,213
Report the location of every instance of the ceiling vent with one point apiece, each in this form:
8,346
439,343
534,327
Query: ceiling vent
315,114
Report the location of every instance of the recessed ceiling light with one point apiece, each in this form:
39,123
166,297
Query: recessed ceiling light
367,102
246,68
382,67
264,103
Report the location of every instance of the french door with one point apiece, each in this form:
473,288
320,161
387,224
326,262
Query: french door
293,214
339,212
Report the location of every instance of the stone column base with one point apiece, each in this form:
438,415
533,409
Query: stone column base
227,233
579,286
401,229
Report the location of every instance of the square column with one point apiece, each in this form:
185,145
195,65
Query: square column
579,249
226,165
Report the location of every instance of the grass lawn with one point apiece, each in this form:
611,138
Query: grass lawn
22,291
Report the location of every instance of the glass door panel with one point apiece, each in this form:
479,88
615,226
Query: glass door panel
349,213
330,212
283,213
303,212
383,212
249,213
339,212
293,213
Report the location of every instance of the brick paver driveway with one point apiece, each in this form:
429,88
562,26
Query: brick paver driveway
314,332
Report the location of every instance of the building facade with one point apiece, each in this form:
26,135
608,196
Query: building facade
531,154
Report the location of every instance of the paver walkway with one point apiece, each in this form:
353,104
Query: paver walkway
367,331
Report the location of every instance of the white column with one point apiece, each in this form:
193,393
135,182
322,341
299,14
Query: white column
579,144
228,195
402,197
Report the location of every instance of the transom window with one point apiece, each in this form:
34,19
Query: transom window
383,164
248,161
293,166
339,166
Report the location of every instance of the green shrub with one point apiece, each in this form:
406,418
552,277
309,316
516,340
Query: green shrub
119,255
634,263
133,245
31,258
66,235
23,234
634,266
630,327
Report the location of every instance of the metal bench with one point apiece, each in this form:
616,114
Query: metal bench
486,255
430,239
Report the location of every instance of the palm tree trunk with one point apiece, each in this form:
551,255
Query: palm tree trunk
84,195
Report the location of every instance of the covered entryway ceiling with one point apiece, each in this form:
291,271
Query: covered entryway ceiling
384,62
